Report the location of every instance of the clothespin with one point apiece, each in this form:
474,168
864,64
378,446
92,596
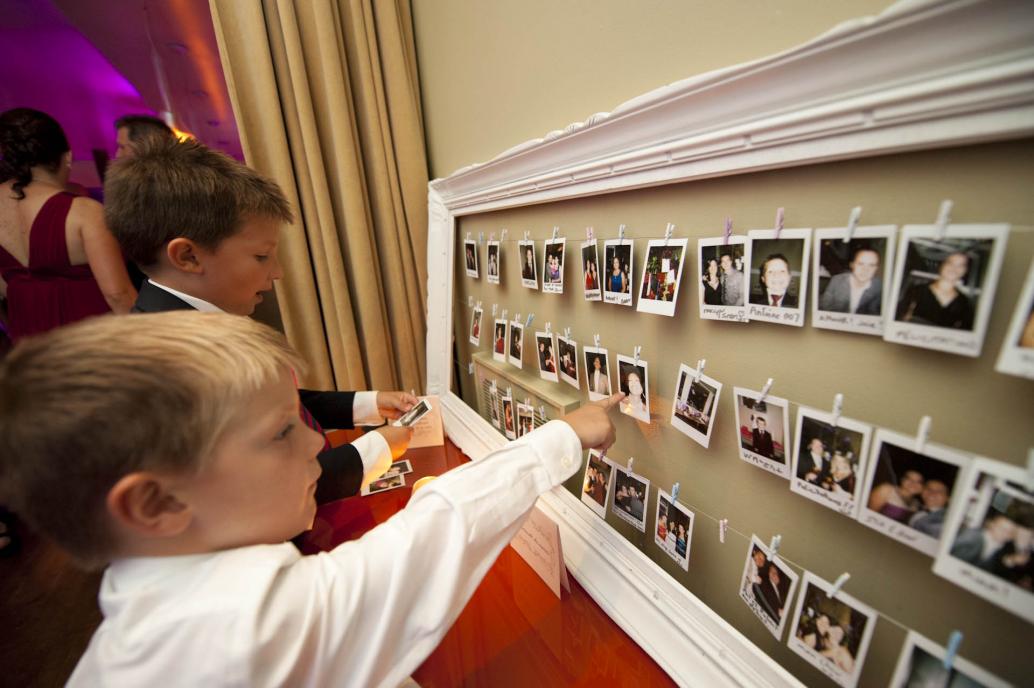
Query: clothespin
675,492
589,233
596,340
700,369
549,328
481,238
470,369
527,401
765,390
838,407
728,230
517,318
542,412
922,434
779,222
491,237
667,233
492,386
477,306
509,392
621,233
852,222
943,218
631,461
504,314
470,301
1030,470
723,527
527,235
531,316
502,234
556,230
468,237
774,545
636,353
495,309
954,640
844,577
567,333
603,454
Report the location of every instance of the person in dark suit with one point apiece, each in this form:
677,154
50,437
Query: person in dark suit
776,280
858,291
761,439
813,465
773,591
205,230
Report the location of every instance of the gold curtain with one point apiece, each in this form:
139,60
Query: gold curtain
327,103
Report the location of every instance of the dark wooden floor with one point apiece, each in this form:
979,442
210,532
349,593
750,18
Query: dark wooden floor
48,611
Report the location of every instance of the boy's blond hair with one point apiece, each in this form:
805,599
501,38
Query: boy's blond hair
171,189
87,404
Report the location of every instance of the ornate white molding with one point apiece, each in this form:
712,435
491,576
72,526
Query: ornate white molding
920,75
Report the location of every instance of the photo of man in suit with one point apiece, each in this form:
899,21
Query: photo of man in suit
813,464
762,438
858,291
775,283
731,282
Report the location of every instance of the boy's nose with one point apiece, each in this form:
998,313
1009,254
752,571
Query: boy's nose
277,271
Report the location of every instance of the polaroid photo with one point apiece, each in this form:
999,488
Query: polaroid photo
509,421
724,273
493,407
525,419
944,287
922,664
399,468
695,405
778,275
597,374
633,381
545,352
763,430
908,493
410,417
851,279
596,483
767,586
829,460
470,247
591,270
831,633
553,266
617,271
493,262
674,524
526,253
662,275
1017,355
631,492
388,482
475,326
499,341
516,345
567,355
988,543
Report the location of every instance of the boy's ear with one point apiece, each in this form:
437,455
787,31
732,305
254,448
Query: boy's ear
184,255
142,503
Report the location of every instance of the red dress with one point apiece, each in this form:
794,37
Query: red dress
49,291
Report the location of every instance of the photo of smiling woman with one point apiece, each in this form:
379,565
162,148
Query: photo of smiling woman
632,378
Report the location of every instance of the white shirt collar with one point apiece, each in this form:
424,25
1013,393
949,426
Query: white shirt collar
199,304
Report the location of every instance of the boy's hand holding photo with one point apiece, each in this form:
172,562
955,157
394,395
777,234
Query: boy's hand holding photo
391,405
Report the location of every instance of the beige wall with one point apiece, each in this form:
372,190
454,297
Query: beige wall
496,73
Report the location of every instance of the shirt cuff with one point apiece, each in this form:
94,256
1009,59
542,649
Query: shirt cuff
364,409
376,456
558,448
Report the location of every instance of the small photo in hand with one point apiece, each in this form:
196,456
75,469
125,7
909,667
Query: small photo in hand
674,529
944,286
695,405
509,422
475,326
596,483
525,419
724,267
516,343
388,482
597,374
591,270
546,354
829,460
1017,355
633,381
529,276
499,341
921,664
767,586
631,492
851,279
662,275
567,352
470,248
907,494
617,271
493,262
779,275
763,430
553,267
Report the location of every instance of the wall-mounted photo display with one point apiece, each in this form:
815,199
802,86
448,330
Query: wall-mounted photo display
634,382
516,343
499,341
831,633
1017,355
763,430
778,275
509,422
922,664
596,483
591,271
695,405
662,275
617,271
529,274
525,419
631,492
944,286
475,326
908,493
470,250
553,266
493,407
988,542
567,360
724,269
493,262
545,352
829,459
767,587
674,529
851,280
597,372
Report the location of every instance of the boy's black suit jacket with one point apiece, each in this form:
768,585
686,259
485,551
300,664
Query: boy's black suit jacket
342,466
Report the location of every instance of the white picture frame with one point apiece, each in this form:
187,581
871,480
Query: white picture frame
758,592
596,494
553,251
658,290
921,663
545,356
493,262
635,405
750,435
475,326
694,407
591,355
666,512
470,248
784,255
618,288
567,360
630,496
515,344
1017,354
841,303
527,267
845,441
727,299
592,287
